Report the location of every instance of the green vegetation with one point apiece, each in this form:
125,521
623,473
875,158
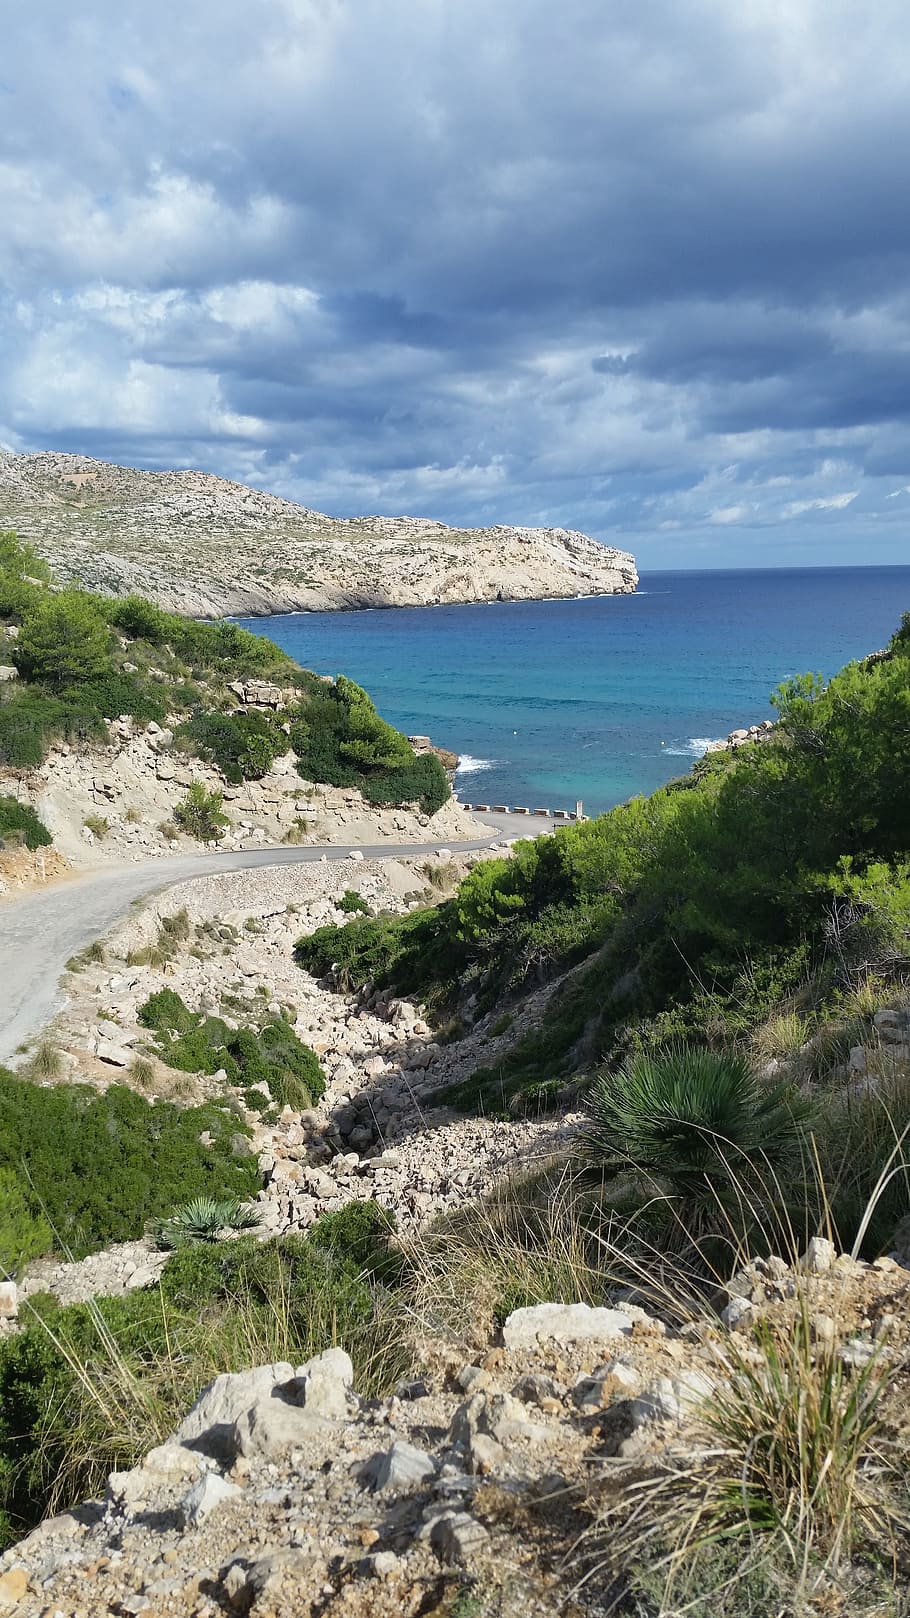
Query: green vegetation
199,815
94,1167
85,660
341,739
694,1120
204,1219
773,879
243,745
90,1388
271,1056
20,824
353,904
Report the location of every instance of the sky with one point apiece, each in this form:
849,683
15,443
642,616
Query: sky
636,267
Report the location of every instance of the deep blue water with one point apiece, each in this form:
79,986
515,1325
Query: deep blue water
599,699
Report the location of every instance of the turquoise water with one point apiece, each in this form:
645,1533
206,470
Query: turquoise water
549,701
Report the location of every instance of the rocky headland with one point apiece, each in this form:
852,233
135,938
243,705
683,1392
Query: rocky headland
199,544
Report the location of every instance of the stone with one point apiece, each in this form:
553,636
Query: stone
209,1425
173,1461
323,1385
13,1586
271,1428
818,1259
206,1496
455,1536
488,1424
401,1467
857,1059
738,1314
383,1564
535,1389
660,1402
564,1323
165,769
355,854
114,1055
9,1300
7,672
617,1380
823,1329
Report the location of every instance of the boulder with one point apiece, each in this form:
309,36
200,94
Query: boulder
564,1323
209,1425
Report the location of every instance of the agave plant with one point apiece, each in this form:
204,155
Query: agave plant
694,1119
205,1219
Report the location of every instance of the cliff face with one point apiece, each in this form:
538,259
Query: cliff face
201,545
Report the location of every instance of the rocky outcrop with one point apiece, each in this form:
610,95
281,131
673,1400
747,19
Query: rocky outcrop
204,546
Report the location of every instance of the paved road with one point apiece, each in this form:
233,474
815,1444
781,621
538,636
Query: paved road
40,931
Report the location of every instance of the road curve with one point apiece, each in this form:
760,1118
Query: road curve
40,931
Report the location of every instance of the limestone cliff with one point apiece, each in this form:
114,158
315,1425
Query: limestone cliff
204,546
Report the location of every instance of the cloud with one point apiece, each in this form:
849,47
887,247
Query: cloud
637,270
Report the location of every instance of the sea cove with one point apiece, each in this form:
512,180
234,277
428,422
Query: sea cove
552,700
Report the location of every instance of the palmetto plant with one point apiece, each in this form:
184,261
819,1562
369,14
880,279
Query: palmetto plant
691,1118
204,1219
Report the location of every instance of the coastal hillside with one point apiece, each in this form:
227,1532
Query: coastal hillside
128,732
464,1236
199,544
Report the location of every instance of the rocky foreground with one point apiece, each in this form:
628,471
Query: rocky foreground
492,1481
201,545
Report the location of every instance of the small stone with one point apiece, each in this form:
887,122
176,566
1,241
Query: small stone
738,1314
564,1323
383,1564
206,1496
823,1329
401,1467
456,1536
9,1300
818,1259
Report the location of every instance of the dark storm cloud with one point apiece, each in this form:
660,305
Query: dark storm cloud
641,269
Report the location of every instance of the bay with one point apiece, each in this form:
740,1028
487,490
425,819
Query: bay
600,698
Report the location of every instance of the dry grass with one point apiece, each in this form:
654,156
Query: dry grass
780,1037
46,1064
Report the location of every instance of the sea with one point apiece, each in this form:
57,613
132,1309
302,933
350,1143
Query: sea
598,698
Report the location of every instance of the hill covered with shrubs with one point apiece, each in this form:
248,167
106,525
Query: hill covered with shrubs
82,660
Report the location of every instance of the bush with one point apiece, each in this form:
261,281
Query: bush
273,1055
352,903
200,816
698,1121
19,823
243,746
99,1166
64,641
340,739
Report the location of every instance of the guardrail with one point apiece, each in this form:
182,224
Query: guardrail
519,809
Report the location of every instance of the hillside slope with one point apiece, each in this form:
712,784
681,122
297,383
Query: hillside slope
198,544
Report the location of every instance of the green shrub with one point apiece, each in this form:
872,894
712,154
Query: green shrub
352,903
271,1055
64,640
204,1219
698,1121
200,816
340,739
243,746
19,822
100,1165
